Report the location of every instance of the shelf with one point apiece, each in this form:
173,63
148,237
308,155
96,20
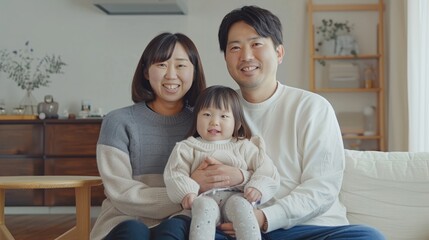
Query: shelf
361,137
349,90
18,117
344,7
347,57
351,97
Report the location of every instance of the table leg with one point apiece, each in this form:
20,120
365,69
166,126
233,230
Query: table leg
4,232
83,218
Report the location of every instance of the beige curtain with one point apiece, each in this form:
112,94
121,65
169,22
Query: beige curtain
396,75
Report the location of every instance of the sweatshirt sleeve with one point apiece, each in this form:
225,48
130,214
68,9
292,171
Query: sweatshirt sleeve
265,177
130,196
178,171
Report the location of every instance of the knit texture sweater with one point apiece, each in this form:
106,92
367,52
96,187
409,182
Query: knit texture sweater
132,150
304,141
244,154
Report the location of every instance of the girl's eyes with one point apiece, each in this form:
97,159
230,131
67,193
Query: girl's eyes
208,114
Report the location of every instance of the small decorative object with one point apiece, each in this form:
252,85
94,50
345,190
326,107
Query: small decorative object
65,114
2,107
85,109
355,145
346,45
329,33
18,111
343,75
48,108
369,76
369,121
28,103
86,105
29,72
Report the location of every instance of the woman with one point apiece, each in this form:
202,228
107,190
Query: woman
135,143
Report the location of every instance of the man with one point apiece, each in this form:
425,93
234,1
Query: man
300,130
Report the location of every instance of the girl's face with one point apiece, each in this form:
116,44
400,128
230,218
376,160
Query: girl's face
171,79
215,124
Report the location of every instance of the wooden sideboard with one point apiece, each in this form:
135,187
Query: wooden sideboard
49,147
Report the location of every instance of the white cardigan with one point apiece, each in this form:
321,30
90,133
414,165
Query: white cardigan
247,155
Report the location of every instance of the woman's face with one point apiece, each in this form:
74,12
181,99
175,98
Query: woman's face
171,79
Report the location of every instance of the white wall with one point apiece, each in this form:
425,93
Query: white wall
102,51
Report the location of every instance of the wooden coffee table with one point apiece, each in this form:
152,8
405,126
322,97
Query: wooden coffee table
82,186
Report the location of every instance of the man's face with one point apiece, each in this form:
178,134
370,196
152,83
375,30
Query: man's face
252,60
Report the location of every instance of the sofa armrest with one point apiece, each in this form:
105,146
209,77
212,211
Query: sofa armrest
389,191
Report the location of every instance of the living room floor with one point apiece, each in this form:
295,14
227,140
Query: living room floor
46,227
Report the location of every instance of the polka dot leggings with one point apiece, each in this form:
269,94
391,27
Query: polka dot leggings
206,215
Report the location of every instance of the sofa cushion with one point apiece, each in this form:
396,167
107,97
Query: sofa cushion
389,191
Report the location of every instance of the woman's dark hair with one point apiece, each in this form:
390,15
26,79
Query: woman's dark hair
161,49
265,23
221,97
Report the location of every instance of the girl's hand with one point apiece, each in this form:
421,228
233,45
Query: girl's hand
188,200
252,195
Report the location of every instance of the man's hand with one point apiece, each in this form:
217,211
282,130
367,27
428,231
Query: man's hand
260,217
214,174
227,228
188,200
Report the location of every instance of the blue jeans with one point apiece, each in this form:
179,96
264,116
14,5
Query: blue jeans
308,232
176,228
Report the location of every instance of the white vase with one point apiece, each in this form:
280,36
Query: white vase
328,47
29,103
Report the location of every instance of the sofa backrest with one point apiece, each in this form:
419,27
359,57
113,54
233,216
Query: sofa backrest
389,191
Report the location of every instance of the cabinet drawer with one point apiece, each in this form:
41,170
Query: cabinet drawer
22,167
71,166
21,139
71,139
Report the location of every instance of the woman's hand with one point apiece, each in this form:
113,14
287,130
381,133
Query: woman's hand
214,174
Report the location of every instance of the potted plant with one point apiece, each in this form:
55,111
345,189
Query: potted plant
337,36
29,72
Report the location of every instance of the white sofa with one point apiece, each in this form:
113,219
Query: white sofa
389,191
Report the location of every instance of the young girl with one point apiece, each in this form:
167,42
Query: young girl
220,131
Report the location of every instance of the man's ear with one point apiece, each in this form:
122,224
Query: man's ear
280,50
